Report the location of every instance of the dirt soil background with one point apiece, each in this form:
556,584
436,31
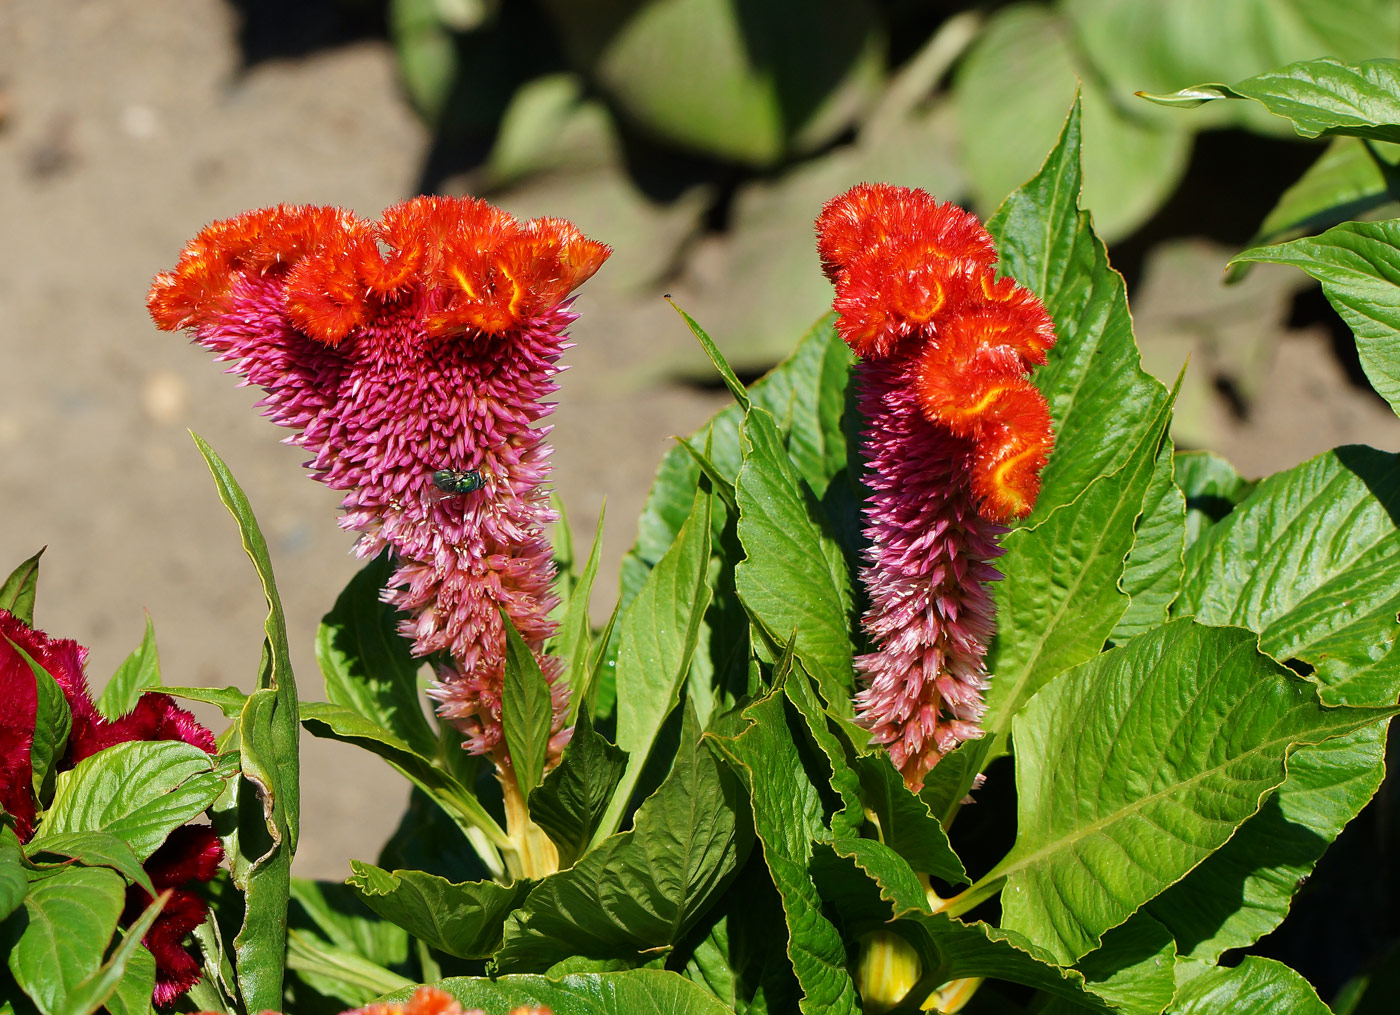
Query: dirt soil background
125,127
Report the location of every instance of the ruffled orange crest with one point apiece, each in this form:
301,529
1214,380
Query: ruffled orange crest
478,268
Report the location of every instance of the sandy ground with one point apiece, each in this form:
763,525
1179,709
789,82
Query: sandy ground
125,126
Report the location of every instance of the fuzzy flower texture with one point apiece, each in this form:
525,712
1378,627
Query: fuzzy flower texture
190,854
413,357
955,438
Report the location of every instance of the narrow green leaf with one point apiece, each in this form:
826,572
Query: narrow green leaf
659,633
722,484
133,994
1256,986
1196,727
573,641
367,664
1101,400
633,992
99,988
335,913
717,358
13,882
357,979
269,802
228,700
1321,97
788,817
794,575
849,818
17,592
459,919
1358,264
137,672
52,723
138,791
571,801
72,916
92,849
638,893
526,710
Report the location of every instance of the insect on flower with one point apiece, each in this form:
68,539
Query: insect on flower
454,482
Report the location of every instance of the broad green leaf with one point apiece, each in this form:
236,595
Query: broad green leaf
72,916
1101,400
138,671
1212,487
1256,986
633,992
1134,968
1152,574
788,818
17,592
1352,178
52,723
1193,730
459,919
366,663
13,881
124,982
527,709
794,575
659,634
337,723
1358,264
905,823
139,791
1311,562
571,801
639,891
1321,97
92,849
1010,93
573,641
269,801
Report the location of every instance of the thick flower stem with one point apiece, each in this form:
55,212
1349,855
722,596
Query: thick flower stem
531,853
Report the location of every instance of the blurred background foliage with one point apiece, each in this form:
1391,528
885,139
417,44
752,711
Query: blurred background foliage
700,138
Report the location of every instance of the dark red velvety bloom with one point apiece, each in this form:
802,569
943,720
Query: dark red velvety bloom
189,854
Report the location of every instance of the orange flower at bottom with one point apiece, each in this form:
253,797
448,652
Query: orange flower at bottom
425,1001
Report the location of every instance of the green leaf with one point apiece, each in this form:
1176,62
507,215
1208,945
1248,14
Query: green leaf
1134,968
639,891
268,794
526,710
111,982
571,801
1321,97
137,672
1212,487
659,633
633,992
1195,727
1256,986
336,913
71,918
228,700
717,358
350,978
574,640
92,849
366,662
1349,180
788,817
906,825
52,723
794,575
139,792
849,818
459,919
1152,574
1358,264
17,592
1101,400
336,723
13,882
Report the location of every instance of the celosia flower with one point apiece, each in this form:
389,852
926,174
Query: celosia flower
432,1001
191,853
397,349
955,437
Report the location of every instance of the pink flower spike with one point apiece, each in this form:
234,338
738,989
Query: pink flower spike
414,358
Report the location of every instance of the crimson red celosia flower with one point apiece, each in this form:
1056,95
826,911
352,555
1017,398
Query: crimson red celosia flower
191,853
955,438
396,349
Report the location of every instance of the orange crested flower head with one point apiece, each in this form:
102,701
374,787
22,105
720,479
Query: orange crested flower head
433,1001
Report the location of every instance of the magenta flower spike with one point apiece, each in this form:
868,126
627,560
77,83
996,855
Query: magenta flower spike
413,357
955,437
